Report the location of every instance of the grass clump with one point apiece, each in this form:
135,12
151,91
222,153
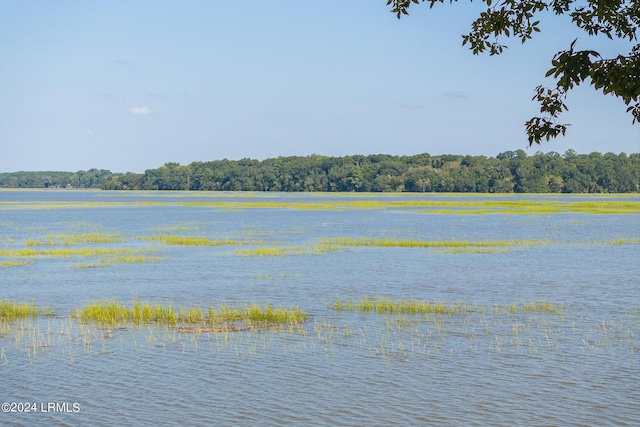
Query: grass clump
67,253
6,264
11,310
410,306
75,238
287,250
254,314
444,244
104,312
117,313
107,262
190,240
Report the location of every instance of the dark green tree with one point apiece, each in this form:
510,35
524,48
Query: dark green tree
619,75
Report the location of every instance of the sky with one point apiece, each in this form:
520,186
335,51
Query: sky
128,85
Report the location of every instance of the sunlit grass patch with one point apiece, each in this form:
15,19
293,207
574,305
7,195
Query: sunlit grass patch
524,308
11,310
623,241
438,204
287,250
73,238
409,306
256,314
5,264
408,243
68,253
433,203
413,306
190,240
106,262
117,313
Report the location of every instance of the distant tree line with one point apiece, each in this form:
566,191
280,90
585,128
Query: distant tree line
511,171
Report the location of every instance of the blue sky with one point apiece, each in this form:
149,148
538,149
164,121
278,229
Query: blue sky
128,85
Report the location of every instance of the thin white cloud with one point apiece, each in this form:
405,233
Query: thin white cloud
89,131
140,110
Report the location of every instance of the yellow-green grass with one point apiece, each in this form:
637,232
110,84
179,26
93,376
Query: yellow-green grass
73,238
535,307
287,250
627,241
190,240
463,245
11,310
68,253
409,306
106,262
600,205
114,313
409,243
413,306
6,264
435,204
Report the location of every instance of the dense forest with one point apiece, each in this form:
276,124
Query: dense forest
511,171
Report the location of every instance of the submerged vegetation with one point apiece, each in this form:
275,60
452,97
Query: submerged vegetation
399,243
463,246
398,330
412,306
15,263
190,240
67,253
110,261
287,250
74,238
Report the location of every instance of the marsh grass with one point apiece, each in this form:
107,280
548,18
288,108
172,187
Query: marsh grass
6,264
117,313
439,204
11,310
483,205
191,240
438,244
110,261
288,250
74,238
412,306
463,246
627,241
68,253
399,333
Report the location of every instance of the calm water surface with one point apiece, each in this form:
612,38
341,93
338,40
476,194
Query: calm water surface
491,367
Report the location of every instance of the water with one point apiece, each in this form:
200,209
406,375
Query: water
342,367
